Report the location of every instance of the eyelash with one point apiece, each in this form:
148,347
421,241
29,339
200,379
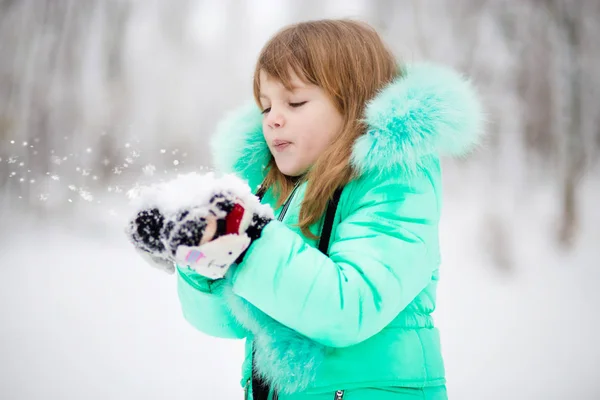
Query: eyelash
294,105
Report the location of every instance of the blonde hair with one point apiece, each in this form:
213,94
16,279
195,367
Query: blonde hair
350,62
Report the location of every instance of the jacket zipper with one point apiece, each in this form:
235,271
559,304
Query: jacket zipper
288,202
339,395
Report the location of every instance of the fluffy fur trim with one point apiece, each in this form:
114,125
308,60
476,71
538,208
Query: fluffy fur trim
428,110
284,359
239,147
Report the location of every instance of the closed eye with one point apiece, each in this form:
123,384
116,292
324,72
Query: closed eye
298,104
266,110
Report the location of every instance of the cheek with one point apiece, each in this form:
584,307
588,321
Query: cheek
315,138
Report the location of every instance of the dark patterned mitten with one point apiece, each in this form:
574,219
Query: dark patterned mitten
199,221
232,226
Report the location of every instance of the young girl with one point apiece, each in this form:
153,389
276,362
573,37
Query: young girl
338,125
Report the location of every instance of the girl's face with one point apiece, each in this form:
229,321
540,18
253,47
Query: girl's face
298,125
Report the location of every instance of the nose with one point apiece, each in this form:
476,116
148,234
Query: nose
275,119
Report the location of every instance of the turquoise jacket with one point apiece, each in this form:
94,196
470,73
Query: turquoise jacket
360,317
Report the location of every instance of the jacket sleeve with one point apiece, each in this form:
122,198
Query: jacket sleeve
382,255
204,307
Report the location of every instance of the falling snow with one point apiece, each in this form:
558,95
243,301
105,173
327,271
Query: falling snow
149,170
85,195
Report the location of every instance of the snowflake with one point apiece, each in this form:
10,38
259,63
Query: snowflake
85,172
129,160
12,174
135,154
12,159
163,151
87,196
72,188
55,178
43,197
117,170
134,192
88,150
176,162
127,145
149,170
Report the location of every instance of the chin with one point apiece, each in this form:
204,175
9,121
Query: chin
291,171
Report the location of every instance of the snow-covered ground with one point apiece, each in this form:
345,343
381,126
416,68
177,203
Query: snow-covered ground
82,316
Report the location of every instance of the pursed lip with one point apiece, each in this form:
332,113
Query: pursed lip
280,145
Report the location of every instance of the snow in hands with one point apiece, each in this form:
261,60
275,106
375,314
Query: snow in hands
200,221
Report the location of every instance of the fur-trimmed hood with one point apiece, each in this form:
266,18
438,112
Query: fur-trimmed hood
429,109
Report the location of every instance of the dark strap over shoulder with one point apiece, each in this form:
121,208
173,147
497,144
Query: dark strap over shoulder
260,389
260,193
328,223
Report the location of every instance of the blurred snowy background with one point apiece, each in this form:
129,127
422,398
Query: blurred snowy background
98,95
